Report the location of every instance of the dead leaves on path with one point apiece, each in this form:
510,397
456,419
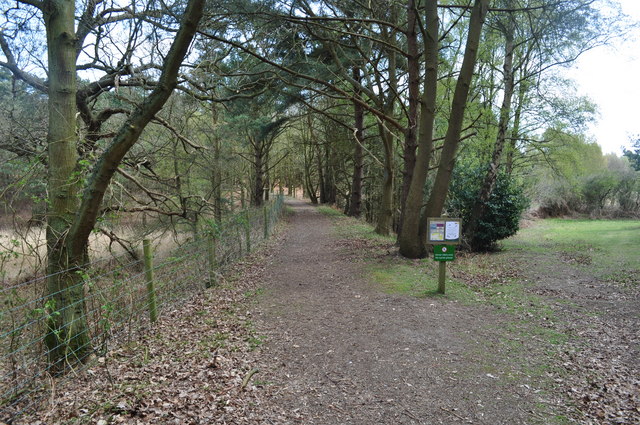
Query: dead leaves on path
191,367
600,374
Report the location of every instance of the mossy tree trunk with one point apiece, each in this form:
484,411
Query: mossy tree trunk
413,236
70,217
413,76
409,241
67,332
440,189
385,208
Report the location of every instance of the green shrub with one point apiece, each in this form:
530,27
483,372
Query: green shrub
503,210
598,188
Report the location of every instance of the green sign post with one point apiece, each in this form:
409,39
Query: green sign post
444,234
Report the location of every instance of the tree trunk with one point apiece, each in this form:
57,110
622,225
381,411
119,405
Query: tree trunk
311,191
515,131
216,180
410,141
70,223
257,193
479,206
330,190
321,178
410,243
440,188
308,183
182,200
355,197
67,337
267,177
385,209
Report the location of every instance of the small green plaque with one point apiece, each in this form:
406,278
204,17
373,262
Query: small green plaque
444,252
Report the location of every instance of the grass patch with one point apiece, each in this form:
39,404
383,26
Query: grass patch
255,341
254,293
214,342
352,228
418,281
403,279
512,298
608,248
328,211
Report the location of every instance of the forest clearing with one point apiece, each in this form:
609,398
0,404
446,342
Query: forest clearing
146,152
329,325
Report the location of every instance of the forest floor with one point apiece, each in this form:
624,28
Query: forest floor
328,325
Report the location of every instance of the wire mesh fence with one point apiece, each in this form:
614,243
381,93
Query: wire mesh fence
121,297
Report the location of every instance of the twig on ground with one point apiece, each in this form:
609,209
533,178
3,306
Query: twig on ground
336,408
247,378
453,413
409,414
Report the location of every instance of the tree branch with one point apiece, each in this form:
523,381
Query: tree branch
176,133
131,130
35,3
12,66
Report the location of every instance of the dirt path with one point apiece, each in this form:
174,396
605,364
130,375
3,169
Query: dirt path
339,350
342,352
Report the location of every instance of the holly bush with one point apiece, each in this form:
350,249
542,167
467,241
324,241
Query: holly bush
502,213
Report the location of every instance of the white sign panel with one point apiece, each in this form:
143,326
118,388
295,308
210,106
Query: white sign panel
452,231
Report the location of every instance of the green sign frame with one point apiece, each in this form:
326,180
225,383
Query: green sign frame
444,252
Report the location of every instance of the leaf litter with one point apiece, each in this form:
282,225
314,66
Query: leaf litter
195,365
201,362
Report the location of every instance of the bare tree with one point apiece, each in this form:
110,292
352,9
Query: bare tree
74,203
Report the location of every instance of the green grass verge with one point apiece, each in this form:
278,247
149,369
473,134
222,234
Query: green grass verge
610,249
328,211
418,281
352,228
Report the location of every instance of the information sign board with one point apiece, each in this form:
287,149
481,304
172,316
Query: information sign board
443,231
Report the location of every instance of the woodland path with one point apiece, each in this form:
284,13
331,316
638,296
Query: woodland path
298,333
341,351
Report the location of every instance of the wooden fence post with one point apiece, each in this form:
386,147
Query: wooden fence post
148,273
442,276
212,248
266,221
247,230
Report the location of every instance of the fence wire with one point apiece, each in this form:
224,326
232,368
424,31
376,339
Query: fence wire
116,303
